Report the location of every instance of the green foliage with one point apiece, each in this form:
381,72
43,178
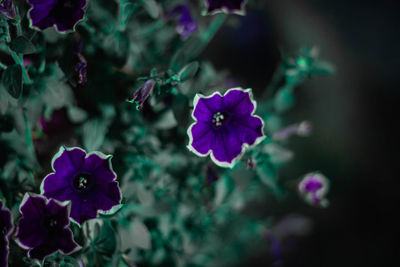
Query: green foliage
171,214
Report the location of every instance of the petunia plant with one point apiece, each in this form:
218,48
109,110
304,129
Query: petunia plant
123,144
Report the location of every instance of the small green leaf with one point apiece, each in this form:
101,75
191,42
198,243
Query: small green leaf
188,71
94,132
22,45
12,80
284,100
151,8
76,114
166,121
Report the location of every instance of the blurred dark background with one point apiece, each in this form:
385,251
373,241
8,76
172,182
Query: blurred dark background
354,141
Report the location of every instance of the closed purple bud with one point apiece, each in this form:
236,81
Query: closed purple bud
142,94
302,129
80,68
7,9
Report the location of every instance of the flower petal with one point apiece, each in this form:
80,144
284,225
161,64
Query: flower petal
56,186
226,147
238,102
68,161
68,18
41,251
202,137
100,167
247,129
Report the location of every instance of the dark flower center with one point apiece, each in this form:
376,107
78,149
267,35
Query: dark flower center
68,4
82,181
50,224
219,118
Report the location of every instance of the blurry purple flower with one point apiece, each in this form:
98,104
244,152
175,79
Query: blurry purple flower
302,129
87,180
186,25
64,14
5,231
313,188
7,9
43,228
142,94
224,126
226,6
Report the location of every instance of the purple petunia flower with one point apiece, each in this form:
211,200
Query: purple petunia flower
5,231
313,188
64,14
224,126
226,6
186,25
87,180
7,8
43,228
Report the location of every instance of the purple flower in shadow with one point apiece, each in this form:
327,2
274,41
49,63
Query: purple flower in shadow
142,94
5,231
224,126
43,228
186,25
313,188
7,8
225,6
87,180
64,14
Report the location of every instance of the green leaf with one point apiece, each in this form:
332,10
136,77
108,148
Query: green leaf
12,80
94,132
188,71
135,235
151,8
76,114
166,121
22,45
284,100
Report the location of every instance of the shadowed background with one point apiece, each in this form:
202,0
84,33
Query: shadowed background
353,142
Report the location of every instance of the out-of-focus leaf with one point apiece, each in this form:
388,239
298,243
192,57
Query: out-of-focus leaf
22,45
12,80
94,132
188,71
167,121
284,99
136,235
76,114
151,7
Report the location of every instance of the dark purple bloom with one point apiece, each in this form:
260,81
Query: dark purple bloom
313,187
142,94
226,6
87,180
224,126
5,231
186,25
43,228
7,8
64,14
